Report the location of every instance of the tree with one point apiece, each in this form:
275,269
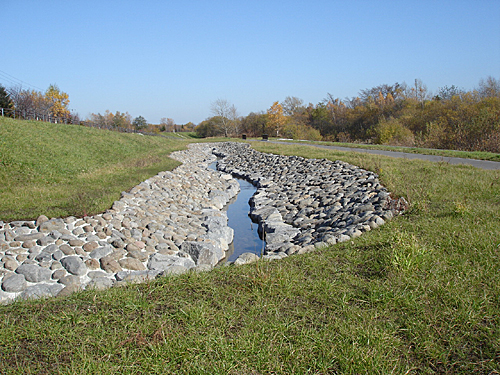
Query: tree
381,90
163,124
107,120
58,102
121,120
29,104
23,101
276,119
421,93
168,124
338,112
5,100
140,123
489,88
48,106
292,106
209,127
254,124
321,119
227,113
235,120
190,126
392,132
448,92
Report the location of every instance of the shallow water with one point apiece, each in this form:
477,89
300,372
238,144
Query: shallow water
246,238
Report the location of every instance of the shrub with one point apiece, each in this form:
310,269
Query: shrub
296,130
392,132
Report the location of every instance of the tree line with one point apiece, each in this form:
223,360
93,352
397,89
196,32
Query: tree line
53,106
397,114
279,120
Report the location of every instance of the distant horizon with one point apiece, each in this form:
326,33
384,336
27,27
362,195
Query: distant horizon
173,59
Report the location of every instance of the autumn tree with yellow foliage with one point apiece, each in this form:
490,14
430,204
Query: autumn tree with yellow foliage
49,106
58,101
276,120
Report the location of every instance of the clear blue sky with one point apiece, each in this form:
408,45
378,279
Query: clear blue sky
173,58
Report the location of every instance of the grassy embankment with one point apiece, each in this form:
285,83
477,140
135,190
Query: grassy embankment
419,295
61,170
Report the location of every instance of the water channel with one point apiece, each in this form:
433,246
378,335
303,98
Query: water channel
246,238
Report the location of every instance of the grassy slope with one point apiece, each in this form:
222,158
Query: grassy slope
61,170
419,295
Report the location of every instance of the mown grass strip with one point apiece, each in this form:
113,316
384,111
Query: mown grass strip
420,295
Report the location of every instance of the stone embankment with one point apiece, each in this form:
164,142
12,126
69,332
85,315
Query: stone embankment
167,224
174,222
302,203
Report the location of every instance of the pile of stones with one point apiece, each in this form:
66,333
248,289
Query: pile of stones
301,204
175,222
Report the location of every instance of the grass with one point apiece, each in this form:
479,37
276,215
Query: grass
479,155
181,135
419,295
61,170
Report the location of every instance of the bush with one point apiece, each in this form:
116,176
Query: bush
392,132
296,130
437,136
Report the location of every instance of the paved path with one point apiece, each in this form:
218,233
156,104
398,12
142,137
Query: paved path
483,164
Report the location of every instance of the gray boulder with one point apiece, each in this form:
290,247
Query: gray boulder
43,257
100,283
161,262
14,283
131,264
34,273
137,276
41,290
265,213
278,232
74,265
70,280
28,237
175,270
246,258
203,253
52,225
101,252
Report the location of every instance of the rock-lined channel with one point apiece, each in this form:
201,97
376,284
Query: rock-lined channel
303,203
246,236
174,221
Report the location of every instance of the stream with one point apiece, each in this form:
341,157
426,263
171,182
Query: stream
246,238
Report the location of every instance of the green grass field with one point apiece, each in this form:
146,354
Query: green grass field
419,295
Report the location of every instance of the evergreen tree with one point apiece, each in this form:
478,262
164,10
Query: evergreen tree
5,100
140,123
